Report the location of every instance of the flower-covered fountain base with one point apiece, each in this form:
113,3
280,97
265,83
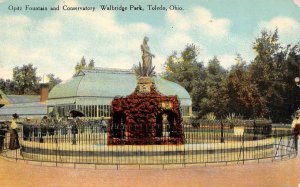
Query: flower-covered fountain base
145,117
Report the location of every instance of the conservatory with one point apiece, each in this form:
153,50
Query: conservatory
91,92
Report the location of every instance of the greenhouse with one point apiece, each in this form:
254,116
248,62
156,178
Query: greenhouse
91,92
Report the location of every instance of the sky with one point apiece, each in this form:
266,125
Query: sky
54,41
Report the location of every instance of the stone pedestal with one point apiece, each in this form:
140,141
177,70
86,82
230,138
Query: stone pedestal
144,84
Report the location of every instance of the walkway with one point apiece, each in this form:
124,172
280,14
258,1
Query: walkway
265,174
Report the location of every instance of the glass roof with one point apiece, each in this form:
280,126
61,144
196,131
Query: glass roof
108,83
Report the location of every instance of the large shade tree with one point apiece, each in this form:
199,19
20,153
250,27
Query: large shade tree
244,96
215,99
273,70
27,82
291,94
186,70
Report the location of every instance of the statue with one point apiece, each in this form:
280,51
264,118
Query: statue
146,69
147,55
165,125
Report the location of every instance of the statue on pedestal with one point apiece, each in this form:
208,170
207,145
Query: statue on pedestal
147,56
146,69
145,117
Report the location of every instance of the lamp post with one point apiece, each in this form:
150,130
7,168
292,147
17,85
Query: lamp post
297,80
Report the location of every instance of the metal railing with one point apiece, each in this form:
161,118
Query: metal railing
204,143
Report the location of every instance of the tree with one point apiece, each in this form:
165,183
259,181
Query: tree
206,86
187,71
8,86
53,80
244,96
91,65
271,70
2,85
215,90
26,79
264,88
82,65
292,92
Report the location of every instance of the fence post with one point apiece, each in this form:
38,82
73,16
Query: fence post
56,145
222,132
18,142
296,143
16,155
254,130
243,147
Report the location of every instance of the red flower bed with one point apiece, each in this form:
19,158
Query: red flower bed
134,119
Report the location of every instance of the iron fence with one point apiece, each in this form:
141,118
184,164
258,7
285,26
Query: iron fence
204,143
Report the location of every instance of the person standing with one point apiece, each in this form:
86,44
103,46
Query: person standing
103,124
14,139
296,123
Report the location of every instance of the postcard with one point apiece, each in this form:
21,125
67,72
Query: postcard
149,93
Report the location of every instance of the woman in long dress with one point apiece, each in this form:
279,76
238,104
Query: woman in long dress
14,139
